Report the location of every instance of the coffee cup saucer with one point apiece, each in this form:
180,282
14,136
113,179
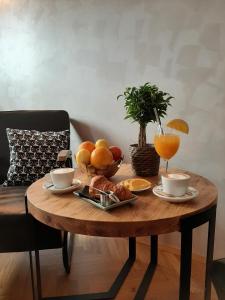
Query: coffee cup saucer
190,194
50,186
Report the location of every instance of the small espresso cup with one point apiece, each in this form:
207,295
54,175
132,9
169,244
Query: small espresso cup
175,184
62,177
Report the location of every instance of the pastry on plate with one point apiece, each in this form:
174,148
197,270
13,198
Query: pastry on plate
102,183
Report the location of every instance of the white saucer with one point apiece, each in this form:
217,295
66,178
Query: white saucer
50,187
48,178
191,194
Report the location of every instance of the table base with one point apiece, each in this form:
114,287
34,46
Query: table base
143,288
186,227
110,294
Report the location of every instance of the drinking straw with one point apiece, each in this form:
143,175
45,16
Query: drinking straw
158,120
161,130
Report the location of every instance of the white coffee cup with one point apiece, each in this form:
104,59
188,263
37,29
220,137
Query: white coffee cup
62,177
175,184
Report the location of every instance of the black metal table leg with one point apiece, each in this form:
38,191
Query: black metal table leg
110,294
209,257
143,288
187,225
154,249
67,250
185,264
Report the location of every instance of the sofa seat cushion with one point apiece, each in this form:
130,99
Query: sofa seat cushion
12,200
30,232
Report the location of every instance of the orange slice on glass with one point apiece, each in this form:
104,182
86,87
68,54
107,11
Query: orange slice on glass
179,125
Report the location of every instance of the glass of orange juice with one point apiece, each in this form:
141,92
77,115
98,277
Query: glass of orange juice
166,145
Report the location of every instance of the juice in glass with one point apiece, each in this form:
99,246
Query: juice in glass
166,145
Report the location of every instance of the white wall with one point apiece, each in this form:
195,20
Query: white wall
79,55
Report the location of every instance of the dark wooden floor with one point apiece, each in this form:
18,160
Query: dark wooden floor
96,262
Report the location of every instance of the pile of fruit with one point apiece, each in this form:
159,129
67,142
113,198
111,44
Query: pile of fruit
99,155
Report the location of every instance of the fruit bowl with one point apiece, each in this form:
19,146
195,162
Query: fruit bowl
108,172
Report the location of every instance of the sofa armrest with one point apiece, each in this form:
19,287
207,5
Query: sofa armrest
64,155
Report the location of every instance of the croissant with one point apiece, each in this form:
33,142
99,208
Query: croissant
102,183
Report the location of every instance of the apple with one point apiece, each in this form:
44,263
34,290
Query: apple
116,152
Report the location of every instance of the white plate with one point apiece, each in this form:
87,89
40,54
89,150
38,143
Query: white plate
50,187
137,190
191,194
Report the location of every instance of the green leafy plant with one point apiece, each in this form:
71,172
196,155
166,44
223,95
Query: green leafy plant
140,103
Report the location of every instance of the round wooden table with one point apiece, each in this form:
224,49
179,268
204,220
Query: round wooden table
149,216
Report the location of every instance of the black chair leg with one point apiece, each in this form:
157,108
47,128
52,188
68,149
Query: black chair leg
32,274
67,250
217,276
38,289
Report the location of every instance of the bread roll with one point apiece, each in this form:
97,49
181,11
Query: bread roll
102,183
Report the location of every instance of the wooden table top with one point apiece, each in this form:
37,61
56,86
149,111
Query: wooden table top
149,215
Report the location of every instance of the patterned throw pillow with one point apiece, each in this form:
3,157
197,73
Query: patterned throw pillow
33,154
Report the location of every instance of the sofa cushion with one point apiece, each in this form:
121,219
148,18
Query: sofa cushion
33,154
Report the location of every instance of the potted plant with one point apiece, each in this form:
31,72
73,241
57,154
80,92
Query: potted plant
140,103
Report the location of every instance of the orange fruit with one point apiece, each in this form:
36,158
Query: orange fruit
136,184
87,145
83,157
101,158
101,143
179,125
